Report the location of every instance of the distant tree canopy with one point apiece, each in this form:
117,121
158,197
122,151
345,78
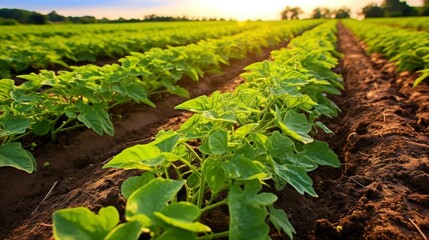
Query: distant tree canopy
424,11
291,13
23,16
330,13
394,8
19,16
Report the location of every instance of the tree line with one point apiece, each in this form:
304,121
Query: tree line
20,16
388,8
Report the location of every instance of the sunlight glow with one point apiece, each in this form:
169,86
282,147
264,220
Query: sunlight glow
227,9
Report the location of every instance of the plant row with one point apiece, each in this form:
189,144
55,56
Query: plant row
49,103
408,49
416,23
38,52
220,158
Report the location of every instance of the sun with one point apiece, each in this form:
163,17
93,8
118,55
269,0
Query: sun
242,9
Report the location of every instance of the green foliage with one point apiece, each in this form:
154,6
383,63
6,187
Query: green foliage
261,131
13,155
82,224
408,49
85,95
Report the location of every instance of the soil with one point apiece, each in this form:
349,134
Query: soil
381,190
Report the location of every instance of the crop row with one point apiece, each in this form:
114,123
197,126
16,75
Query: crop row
408,49
416,23
39,52
49,103
221,157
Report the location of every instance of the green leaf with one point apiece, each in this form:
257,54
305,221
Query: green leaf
320,153
41,128
295,176
244,169
152,197
14,125
6,86
185,225
13,155
280,145
133,183
214,174
82,224
136,92
198,104
248,212
280,220
143,157
97,119
182,210
425,74
166,142
218,142
128,231
245,129
323,127
295,125
177,234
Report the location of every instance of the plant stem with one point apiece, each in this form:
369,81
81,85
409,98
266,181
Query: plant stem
193,152
196,171
13,139
71,128
214,236
201,193
213,206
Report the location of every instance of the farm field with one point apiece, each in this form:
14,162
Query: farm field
273,101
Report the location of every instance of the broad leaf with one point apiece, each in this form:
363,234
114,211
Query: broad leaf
244,169
218,142
97,119
280,220
144,157
14,125
214,174
295,176
247,210
13,155
198,104
133,183
128,231
42,128
177,234
82,224
295,125
152,197
320,153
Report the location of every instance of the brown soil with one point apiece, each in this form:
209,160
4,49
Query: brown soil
382,138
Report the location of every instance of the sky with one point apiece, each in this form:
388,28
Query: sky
236,9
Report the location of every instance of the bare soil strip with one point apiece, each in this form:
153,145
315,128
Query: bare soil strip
382,137
75,162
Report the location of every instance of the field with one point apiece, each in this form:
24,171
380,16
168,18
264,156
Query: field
308,129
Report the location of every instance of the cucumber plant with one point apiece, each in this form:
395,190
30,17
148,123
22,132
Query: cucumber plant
221,157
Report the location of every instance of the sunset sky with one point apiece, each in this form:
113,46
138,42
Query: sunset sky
237,9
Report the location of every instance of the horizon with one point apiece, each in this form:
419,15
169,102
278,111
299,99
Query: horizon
238,9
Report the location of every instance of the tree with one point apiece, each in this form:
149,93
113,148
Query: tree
291,13
321,13
396,8
342,13
373,11
55,17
